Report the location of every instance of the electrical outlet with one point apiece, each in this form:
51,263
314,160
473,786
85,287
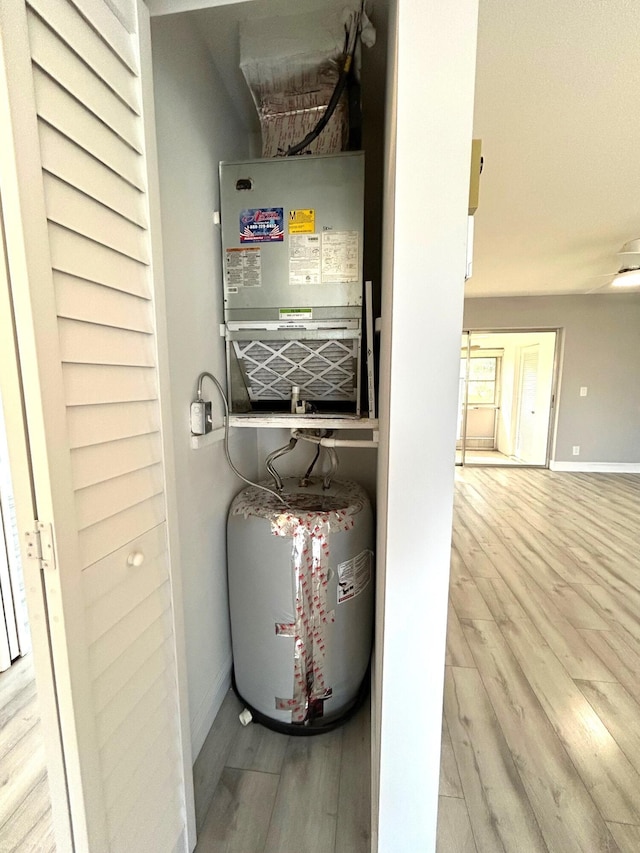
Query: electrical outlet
583,390
576,450
201,417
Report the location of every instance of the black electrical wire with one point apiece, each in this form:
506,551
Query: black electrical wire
309,470
335,97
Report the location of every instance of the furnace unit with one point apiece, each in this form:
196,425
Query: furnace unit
292,242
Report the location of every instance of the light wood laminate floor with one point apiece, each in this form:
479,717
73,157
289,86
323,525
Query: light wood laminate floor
25,808
282,794
541,724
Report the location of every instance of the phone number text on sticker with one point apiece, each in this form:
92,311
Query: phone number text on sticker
262,225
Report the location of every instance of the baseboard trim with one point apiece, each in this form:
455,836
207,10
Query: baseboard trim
597,467
209,707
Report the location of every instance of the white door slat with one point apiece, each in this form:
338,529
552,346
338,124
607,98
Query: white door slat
60,110
157,719
180,844
121,798
124,703
104,576
125,12
103,21
84,258
110,647
147,834
96,424
97,541
78,299
94,464
86,343
144,780
170,828
137,584
166,832
97,383
150,778
125,667
54,57
152,712
64,20
98,503
81,214
62,157
151,781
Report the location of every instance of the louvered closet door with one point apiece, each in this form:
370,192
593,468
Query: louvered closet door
110,602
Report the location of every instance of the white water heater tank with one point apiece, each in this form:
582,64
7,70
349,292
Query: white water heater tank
301,600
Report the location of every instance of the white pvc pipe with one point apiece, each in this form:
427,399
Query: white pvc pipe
336,442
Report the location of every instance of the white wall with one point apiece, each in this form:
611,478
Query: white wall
425,248
196,128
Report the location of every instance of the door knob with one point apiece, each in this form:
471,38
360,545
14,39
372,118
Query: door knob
135,558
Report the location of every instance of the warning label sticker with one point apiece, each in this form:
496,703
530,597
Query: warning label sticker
354,575
262,225
302,221
304,259
340,256
243,269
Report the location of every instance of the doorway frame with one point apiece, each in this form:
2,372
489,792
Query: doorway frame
555,384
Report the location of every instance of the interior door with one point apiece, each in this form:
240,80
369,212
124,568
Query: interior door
528,393
16,622
17,496
75,179
462,399
9,646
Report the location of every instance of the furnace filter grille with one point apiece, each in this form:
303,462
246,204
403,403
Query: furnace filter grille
324,370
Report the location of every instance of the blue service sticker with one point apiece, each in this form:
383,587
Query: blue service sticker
262,225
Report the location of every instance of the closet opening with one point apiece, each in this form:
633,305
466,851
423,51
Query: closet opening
205,115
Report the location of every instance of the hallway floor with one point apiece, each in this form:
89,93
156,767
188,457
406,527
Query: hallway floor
25,809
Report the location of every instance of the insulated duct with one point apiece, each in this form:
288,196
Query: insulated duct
292,66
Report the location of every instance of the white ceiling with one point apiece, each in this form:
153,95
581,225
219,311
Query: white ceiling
558,112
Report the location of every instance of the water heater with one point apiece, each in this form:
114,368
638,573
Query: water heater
301,601
292,243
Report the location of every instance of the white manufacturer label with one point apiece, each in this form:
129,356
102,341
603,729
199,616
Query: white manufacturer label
304,259
340,256
354,575
243,269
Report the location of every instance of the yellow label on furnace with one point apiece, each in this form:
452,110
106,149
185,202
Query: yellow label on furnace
302,221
